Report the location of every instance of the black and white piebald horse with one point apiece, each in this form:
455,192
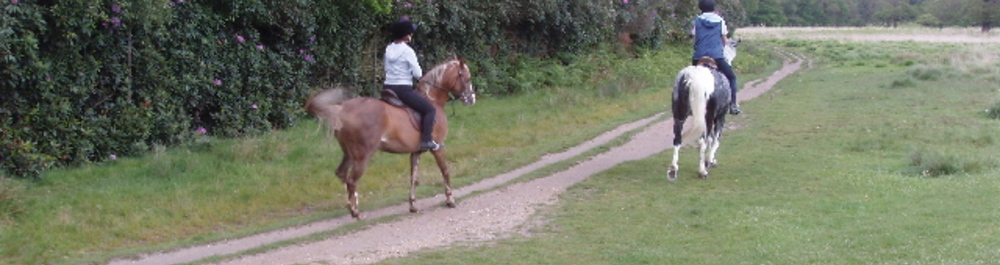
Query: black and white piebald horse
701,101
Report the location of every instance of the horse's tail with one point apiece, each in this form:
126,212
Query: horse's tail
325,105
701,84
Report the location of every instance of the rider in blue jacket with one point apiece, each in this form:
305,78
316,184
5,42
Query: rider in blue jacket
709,30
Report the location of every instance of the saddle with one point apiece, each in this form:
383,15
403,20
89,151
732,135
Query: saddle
390,97
707,62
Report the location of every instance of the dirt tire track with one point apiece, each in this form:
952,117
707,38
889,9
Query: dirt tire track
487,216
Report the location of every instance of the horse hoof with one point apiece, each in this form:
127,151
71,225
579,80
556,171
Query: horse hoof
413,210
703,175
451,204
671,175
356,216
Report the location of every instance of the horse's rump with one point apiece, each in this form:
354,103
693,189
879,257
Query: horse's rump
692,89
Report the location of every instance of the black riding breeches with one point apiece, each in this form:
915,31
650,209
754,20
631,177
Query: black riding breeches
410,97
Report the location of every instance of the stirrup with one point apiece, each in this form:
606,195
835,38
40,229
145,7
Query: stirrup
430,145
735,109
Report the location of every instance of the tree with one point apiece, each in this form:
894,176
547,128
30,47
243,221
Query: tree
896,12
928,20
988,14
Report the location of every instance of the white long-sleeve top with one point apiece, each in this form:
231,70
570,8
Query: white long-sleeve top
401,65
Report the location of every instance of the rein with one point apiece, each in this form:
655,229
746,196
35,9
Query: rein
451,95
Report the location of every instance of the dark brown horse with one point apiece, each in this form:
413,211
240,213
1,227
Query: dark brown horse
364,125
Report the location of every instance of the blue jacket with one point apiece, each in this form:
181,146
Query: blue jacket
708,30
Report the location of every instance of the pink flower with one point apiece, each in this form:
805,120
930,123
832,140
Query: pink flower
309,58
201,130
408,4
624,1
240,38
254,106
13,1
113,157
217,82
260,47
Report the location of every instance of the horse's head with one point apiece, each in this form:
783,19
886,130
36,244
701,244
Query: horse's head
729,50
453,77
464,81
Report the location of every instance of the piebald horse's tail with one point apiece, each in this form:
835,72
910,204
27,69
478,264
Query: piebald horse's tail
325,105
701,84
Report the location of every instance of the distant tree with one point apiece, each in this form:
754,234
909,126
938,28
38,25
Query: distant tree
764,12
928,20
988,14
949,12
897,11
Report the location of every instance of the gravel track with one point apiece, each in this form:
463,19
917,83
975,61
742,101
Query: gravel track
497,209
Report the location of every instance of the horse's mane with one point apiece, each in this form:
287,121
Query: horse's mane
436,75
437,72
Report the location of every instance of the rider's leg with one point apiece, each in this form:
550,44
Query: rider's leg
727,70
427,112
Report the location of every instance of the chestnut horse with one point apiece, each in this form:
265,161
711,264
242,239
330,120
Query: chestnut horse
364,125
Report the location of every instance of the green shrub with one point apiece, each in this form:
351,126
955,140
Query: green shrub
95,80
926,73
939,163
905,82
994,112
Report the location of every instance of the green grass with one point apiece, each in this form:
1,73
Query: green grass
835,166
224,188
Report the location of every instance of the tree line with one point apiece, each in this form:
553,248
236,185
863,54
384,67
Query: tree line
892,13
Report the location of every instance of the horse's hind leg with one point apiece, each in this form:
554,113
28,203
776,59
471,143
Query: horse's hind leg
678,127
351,182
672,171
446,174
715,136
713,146
414,168
702,153
345,173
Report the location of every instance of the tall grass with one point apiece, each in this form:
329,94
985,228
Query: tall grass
223,188
834,166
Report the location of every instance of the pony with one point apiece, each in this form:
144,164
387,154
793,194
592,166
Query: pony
701,93
364,125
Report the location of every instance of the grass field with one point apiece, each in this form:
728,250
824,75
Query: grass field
215,189
884,153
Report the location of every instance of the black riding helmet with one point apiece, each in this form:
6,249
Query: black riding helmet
401,28
706,5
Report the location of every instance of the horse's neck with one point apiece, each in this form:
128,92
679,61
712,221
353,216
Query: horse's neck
431,85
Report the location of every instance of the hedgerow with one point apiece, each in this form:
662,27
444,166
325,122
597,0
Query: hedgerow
90,80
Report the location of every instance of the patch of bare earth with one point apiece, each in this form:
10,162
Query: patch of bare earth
499,212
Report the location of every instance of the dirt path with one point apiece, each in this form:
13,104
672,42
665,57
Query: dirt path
486,216
949,35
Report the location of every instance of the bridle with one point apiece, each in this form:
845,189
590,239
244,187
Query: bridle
466,94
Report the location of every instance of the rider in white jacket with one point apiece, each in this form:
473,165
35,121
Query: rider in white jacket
401,67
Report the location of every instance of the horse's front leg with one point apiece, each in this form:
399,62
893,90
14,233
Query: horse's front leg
446,174
414,168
